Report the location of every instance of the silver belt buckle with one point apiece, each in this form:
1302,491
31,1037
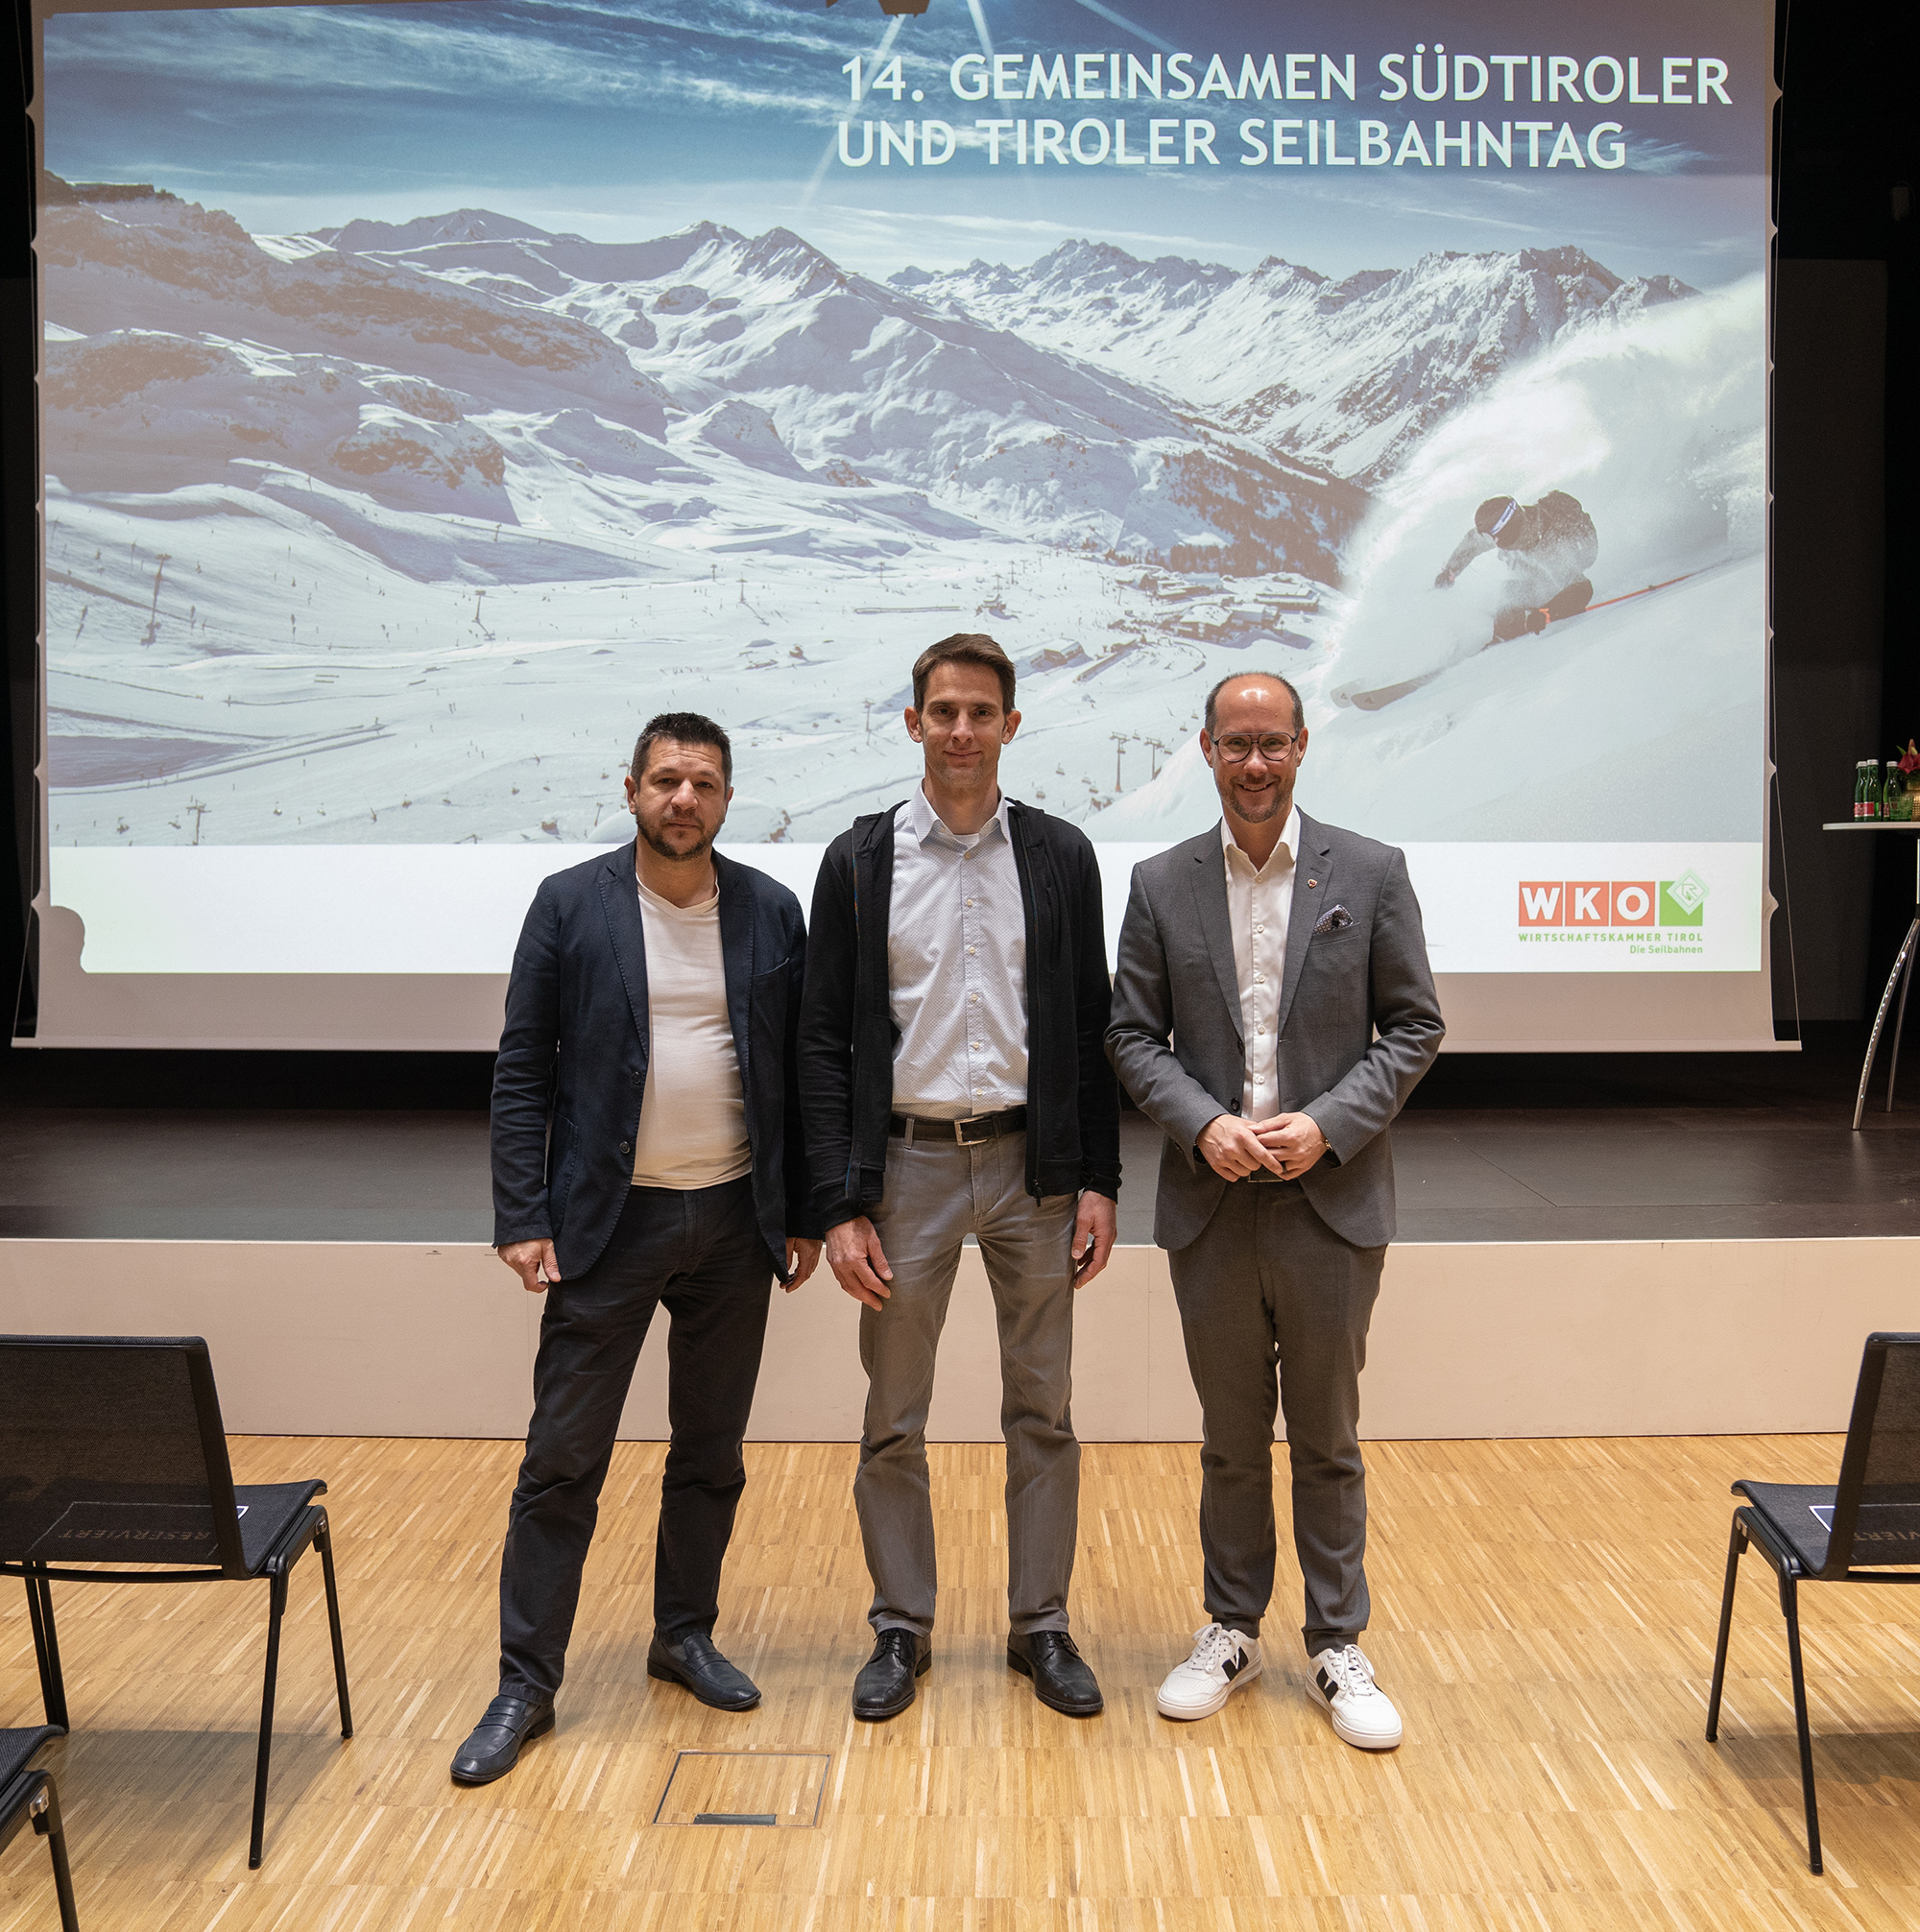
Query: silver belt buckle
959,1133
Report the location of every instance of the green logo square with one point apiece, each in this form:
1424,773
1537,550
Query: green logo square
1683,902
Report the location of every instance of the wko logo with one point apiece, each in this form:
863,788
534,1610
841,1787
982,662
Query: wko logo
1614,903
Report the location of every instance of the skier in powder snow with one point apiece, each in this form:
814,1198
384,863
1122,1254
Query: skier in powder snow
1548,548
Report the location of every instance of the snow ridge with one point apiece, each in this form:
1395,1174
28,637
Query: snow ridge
1349,374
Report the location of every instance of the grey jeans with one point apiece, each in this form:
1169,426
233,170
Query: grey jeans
1275,1306
935,1197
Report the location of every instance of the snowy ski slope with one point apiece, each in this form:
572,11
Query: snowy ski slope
396,532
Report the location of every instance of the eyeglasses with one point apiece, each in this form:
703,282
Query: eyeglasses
1274,746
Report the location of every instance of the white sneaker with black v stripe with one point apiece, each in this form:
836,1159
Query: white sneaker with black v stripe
1222,1661
1362,1713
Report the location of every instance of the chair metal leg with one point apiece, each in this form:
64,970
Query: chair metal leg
1900,1022
276,1585
1735,1549
1790,1608
46,1647
1901,959
323,1539
48,1823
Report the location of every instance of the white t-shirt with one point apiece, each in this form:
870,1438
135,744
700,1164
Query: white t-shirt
693,1115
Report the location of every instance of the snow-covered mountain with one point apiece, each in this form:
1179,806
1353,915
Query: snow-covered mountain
390,531
851,375
442,353
181,353
1346,373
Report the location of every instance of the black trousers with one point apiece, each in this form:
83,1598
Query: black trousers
701,1254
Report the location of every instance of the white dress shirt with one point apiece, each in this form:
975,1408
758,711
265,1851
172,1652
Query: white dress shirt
693,1113
956,967
1259,903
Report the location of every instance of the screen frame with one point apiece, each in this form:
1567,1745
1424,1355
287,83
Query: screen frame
58,1005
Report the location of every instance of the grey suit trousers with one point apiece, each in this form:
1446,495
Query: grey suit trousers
935,1197
1275,1308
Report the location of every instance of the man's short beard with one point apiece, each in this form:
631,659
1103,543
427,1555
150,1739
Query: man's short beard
666,852
1258,818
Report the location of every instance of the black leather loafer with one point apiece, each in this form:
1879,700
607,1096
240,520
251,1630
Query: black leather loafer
885,1685
494,1746
1061,1679
693,1662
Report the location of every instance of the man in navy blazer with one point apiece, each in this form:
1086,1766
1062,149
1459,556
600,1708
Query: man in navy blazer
646,1151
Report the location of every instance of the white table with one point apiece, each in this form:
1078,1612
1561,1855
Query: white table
1902,975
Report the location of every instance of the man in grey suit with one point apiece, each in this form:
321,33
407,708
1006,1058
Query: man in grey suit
1272,1012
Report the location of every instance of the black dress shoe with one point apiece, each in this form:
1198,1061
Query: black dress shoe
1061,1679
494,1746
694,1662
885,1685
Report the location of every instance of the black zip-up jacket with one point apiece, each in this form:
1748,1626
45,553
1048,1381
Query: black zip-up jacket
847,1036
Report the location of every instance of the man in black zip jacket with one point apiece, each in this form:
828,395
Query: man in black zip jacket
954,1082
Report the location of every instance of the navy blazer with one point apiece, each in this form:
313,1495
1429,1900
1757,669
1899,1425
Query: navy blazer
573,1056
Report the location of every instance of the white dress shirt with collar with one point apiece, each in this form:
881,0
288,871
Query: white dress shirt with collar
1259,903
956,967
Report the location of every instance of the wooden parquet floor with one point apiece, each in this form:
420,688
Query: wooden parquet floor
1543,1617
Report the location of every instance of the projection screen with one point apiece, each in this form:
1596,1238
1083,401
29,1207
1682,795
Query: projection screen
432,391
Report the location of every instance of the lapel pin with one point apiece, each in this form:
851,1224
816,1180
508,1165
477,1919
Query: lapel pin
1312,883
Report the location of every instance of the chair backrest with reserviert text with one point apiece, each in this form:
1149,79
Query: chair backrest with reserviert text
1876,1511
112,1450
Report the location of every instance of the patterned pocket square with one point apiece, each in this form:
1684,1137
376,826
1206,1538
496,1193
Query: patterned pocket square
1334,919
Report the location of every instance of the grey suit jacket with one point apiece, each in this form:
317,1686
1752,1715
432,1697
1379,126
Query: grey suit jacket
1359,1023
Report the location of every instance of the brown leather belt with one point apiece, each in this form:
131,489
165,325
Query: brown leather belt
968,1133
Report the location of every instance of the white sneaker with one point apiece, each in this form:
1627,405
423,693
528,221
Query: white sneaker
1222,1661
1362,1713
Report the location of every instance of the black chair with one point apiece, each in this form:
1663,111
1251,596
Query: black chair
32,1797
111,1451
1813,1534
